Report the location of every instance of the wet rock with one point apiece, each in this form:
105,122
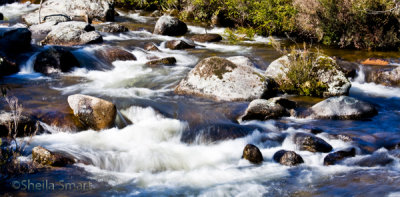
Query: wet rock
220,79
261,109
55,59
72,33
309,142
95,113
14,41
348,68
386,76
45,157
170,26
1,16
151,47
252,154
288,158
63,120
206,38
7,67
164,61
325,71
342,108
111,54
94,9
27,125
113,28
178,45
342,137
376,159
333,158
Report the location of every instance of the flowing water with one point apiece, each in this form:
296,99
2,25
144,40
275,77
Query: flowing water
187,146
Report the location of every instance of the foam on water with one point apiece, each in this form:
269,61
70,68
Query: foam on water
15,10
202,30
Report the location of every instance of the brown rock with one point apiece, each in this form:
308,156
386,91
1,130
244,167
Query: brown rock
151,47
165,61
111,54
206,38
253,154
288,158
47,158
178,45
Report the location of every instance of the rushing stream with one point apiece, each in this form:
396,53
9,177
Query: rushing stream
176,145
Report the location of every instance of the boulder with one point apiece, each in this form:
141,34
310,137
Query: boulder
55,59
348,68
45,157
252,154
385,76
72,33
206,38
333,158
94,9
342,108
27,125
94,113
151,47
43,28
162,61
324,77
288,158
178,45
111,54
7,67
170,26
261,109
15,40
309,142
113,28
222,80
376,159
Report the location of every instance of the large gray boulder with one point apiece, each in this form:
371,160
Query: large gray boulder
342,108
93,9
223,80
95,113
261,109
72,33
170,26
325,73
55,60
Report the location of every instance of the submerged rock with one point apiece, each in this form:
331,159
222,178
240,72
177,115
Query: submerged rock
343,108
288,158
27,125
252,154
325,73
261,109
220,79
55,59
7,67
164,61
113,28
111,54
178,45
14,41
95,113
101,10
170,26
309,142
72,33
206,38
45,157
376,159
333,158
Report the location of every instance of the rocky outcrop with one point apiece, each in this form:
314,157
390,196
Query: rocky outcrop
151,47
220,79
113,28
179,45
111,54
27,125
261,109
45,157
72,33
95,113
15,40
94,9
309,142
170,26
7,67
333,158
252,154
386,76
288,158
206,38
342,108
162,61
324,73
55,60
